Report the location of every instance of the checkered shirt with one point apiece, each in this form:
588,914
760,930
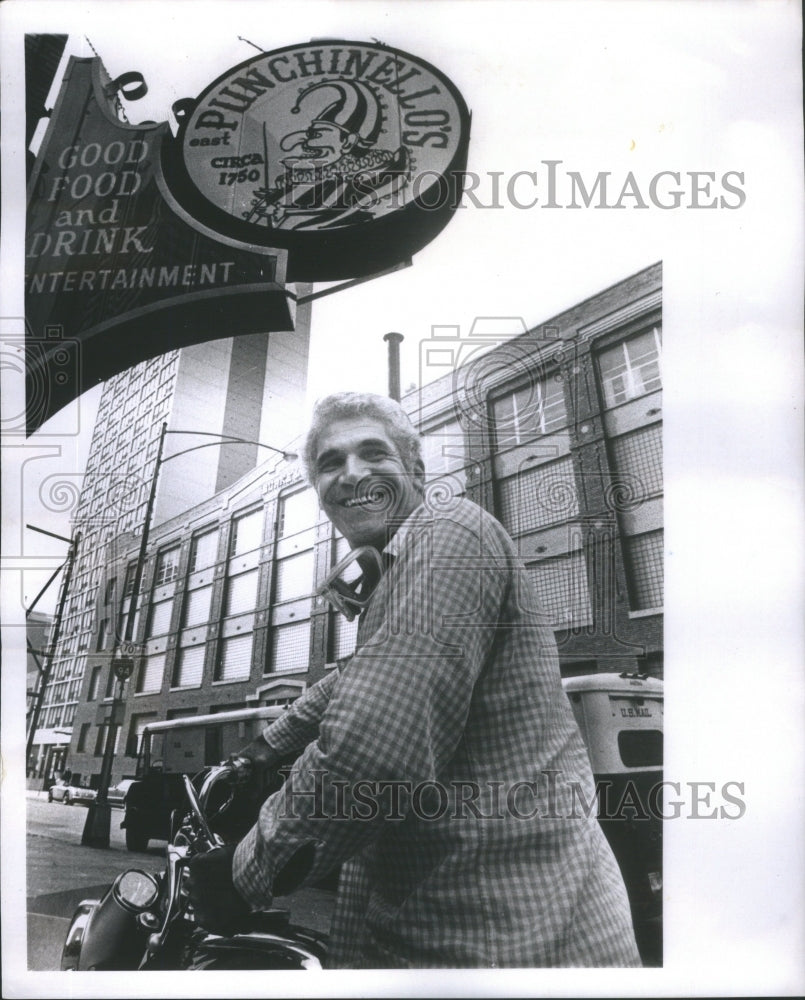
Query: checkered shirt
443,768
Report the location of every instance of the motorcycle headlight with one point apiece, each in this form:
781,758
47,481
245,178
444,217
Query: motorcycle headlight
136,890
71,951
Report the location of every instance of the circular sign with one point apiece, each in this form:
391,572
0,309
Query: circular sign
349,155
124,667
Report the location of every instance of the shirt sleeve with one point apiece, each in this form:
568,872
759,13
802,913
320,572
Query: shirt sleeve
396,713
299,723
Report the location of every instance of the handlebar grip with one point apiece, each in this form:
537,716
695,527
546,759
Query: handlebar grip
242,767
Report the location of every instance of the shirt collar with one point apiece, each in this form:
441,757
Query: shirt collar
396,541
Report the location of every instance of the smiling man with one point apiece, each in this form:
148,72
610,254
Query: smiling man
441,767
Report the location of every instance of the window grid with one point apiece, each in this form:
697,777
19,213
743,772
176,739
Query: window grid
167,566
297,512
197,606
246,533
290,647
639,454
645,558
236,658
151,674
203,550
241,593
539,497
562,589
343,636
295,576
160,618
189,667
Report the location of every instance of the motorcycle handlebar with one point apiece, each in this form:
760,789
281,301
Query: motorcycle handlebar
236,770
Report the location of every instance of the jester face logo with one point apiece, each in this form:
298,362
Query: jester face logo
334,171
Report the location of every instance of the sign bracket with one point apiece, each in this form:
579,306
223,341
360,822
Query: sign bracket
302,299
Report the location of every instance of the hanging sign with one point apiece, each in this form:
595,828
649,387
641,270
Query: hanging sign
348,155
112,274
310,163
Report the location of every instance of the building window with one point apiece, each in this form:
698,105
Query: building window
159,619
236,658
631,368
83,736
136,727
343,634
128,589
639,454
294,576
100,740
203,550
189,667
152,670
562,589
247,532
94,684
290,647
644,560
534,409
241,593
167,566
197,606
343,637
297,512
103,634
443,450
539,497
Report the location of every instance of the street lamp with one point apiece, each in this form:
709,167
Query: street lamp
225,439
96,827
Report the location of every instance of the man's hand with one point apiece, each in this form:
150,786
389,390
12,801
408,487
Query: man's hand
259,753
217,904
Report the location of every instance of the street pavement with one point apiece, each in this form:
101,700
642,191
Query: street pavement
61,872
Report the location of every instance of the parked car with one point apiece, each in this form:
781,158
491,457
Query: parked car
69,794
116,794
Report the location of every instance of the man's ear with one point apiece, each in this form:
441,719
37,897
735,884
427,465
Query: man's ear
419,474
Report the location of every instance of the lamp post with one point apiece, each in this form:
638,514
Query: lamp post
99,815
98,821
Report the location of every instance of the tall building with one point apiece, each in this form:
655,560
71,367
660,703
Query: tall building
556,430
250,387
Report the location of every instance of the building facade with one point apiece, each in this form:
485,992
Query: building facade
250,387
556,430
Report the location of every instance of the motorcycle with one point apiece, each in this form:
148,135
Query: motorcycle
145,921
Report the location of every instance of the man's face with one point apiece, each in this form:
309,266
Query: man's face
361,481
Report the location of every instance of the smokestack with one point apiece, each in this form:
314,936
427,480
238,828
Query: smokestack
394,341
